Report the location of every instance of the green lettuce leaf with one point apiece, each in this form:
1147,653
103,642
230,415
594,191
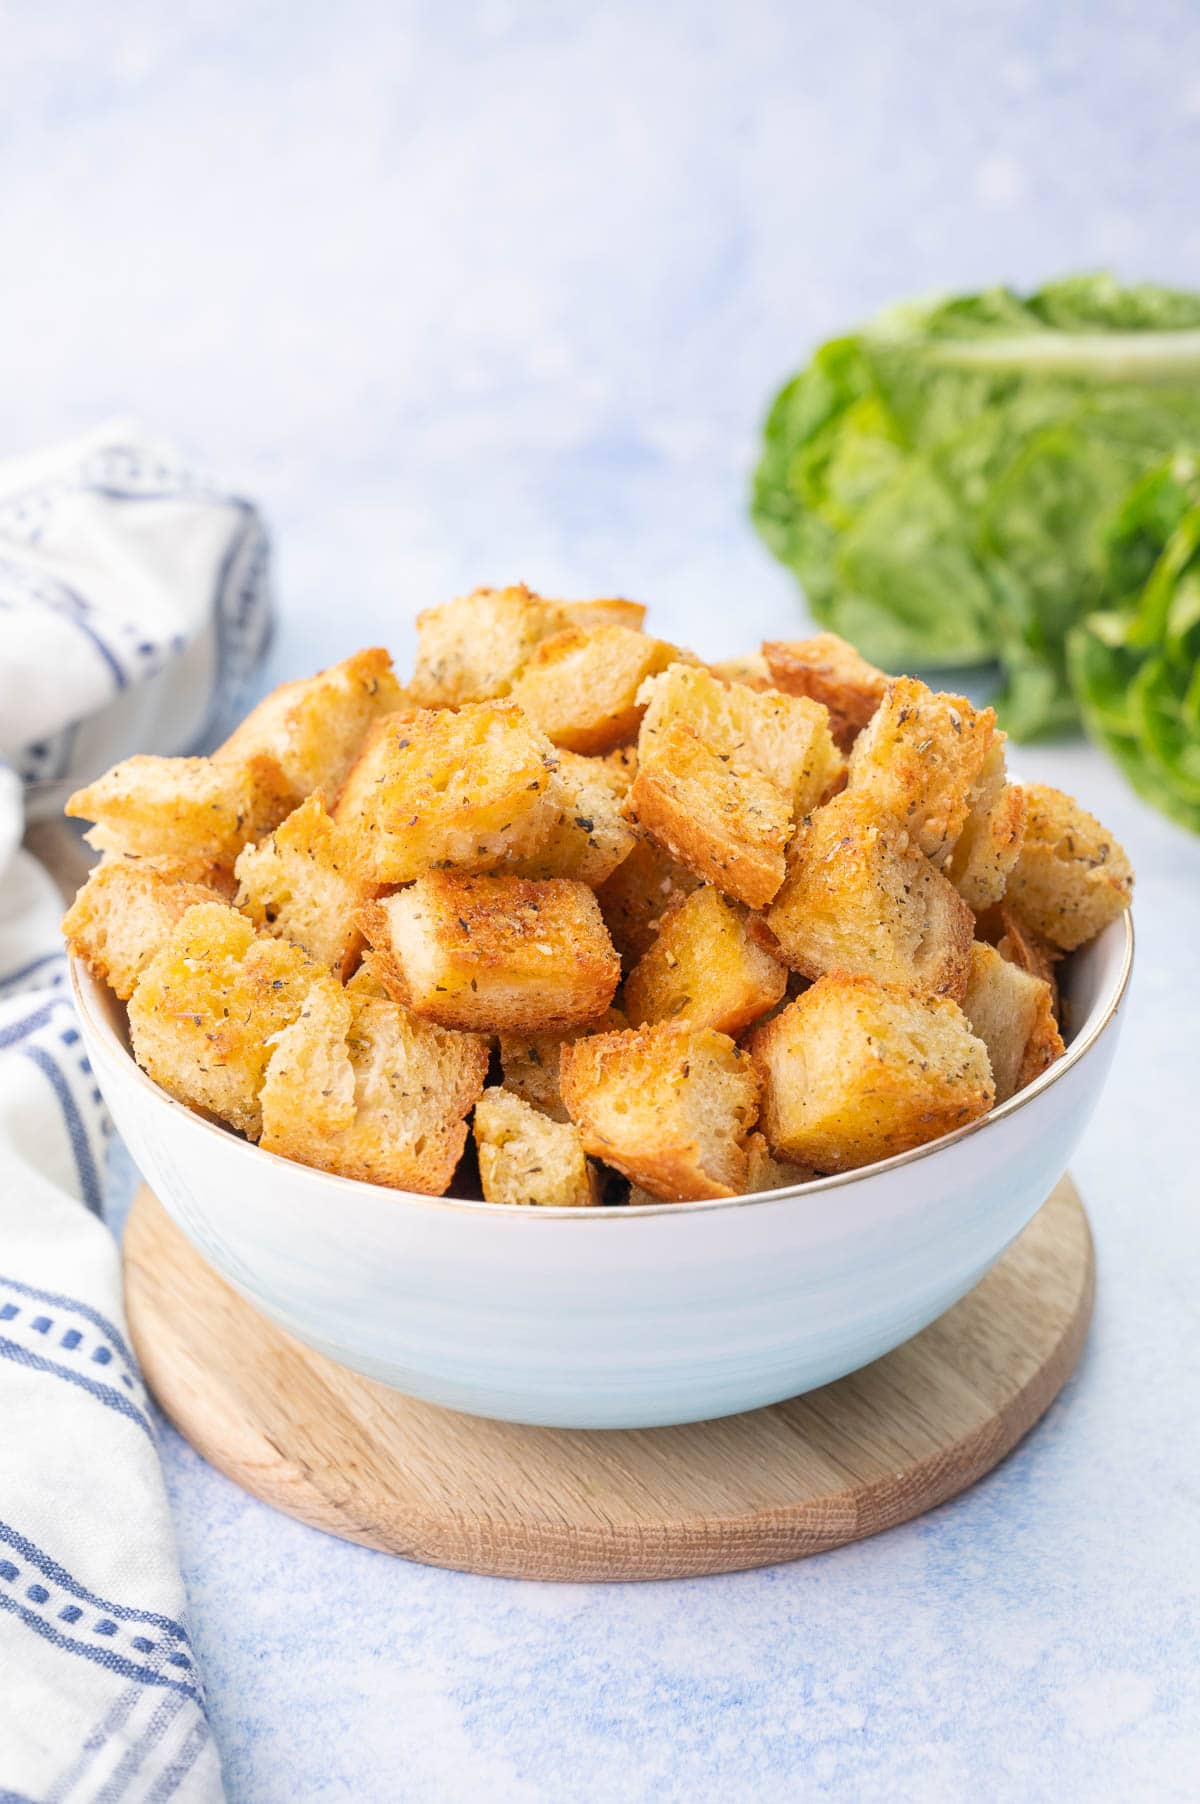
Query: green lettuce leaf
941,481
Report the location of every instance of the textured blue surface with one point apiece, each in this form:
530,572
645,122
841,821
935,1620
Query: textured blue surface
467,293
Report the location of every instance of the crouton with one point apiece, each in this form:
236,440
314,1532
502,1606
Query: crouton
704,967
859,897
669,1106
1071,877
751,671
726,822
1004,927
611,611
635,898
1012,1013
470,789
765,1172
530,1062
784,737
497,954
367,980
303,884
470,649
921,758
313,728
855,1070
358,1086
205,1010
190,812
621,763
524,1157
830,671
121,917
990,842
581,687
590,836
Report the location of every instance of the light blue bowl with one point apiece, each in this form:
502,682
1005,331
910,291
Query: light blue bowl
626,1317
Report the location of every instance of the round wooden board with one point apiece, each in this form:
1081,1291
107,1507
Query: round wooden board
359,1460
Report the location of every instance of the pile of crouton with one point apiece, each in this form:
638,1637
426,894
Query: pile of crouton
574,918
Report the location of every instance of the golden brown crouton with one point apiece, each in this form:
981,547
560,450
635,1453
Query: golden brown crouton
581,687
784,737
859,897
765,1172
634,899
856,1070
524,1157
530,1062
705,968
121,917
590,836
921,758
496,954
470,789
669,1106
990,842
470,649
204,1012
1004,927
303,884
726,822
828,670
751,670
358,1086
622,764
313,728
1071,878
191,812
611,611
1012,1014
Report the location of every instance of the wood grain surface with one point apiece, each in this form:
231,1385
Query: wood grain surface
359,1460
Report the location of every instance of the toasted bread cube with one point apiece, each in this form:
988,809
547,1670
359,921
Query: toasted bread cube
859,897
669,1106
704,967
590,837
1013,1014
358,1086
621,764
121,917
725,821
470,789
530,1063
750,670
1004,927
496,954
524,1157
581,687
637,895
204,1012
784,737
921,758
830,671
313,728
765,1172
856,1070
470,649
990,842
192,812
612,610
1071,877
303,884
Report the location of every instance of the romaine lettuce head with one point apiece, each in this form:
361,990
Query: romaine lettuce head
940,482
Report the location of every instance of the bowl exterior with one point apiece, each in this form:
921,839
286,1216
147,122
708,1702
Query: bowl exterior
602,1318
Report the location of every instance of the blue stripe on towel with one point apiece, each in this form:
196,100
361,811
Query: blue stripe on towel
104,1393
101,1656
107,1328
50,1568
85,1165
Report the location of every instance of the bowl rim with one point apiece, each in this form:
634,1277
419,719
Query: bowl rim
1078,1049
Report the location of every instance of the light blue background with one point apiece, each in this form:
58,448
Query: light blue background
476,293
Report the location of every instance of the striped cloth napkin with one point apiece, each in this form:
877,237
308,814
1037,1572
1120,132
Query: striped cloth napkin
133,595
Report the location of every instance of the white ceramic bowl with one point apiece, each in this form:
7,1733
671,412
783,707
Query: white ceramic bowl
617,1317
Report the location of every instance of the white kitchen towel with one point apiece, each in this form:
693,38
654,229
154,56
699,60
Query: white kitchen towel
133,601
